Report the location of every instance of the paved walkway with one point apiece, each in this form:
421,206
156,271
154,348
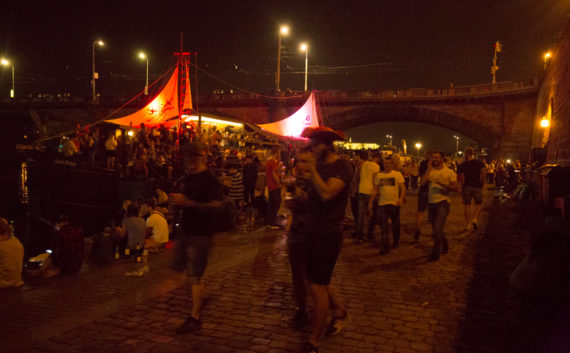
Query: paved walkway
399,302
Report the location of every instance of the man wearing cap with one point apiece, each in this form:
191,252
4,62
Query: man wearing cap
200,200
330,178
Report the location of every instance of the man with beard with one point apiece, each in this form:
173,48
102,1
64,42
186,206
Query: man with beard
330,178
200,200
442,181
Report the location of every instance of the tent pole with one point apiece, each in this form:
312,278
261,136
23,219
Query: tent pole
197,106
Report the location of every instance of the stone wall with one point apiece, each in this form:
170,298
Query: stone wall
554,102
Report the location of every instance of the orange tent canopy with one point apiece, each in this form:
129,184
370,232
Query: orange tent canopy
162,108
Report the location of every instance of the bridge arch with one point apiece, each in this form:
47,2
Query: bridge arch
366,115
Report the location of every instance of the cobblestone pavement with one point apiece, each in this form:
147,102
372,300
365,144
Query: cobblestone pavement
399,302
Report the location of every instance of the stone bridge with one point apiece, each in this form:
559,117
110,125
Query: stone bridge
500,116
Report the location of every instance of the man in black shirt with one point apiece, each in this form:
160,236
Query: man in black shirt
201,201
330,178
422,196
472,178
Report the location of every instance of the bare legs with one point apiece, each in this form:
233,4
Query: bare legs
198,294
325,299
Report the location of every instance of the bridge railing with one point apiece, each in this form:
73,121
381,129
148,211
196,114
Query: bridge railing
410,93
457,91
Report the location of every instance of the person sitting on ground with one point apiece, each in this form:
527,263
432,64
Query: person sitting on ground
157,229
11,257
134,227
146,207
68,249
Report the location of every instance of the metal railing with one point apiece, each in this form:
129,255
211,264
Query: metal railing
328,95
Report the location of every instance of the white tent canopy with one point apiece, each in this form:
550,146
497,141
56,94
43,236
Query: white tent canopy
293,126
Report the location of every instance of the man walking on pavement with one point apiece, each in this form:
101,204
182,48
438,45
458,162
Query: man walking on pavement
330,178
442,181
422,196
200,200
367,170
389,186
273,182
472,174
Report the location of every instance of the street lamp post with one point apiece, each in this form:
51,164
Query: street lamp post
145,57
95,75
418,147
5,62
283,31
456,143
547,57
305,48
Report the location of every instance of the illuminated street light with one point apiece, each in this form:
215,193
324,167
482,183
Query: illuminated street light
547,57
283,31
544,123
95,75
304,47
456,143
144,57
418,148
5,62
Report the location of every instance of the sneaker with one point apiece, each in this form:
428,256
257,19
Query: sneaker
337,324
190,325
309,348
300,320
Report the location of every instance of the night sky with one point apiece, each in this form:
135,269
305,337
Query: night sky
353,44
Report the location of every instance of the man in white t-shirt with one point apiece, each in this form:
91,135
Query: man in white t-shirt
157,227
389,186
442,181
367,171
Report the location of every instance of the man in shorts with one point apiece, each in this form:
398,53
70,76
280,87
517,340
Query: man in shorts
201,201
330,178
472,178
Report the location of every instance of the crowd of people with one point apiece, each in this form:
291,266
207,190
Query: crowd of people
151,153
313,183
